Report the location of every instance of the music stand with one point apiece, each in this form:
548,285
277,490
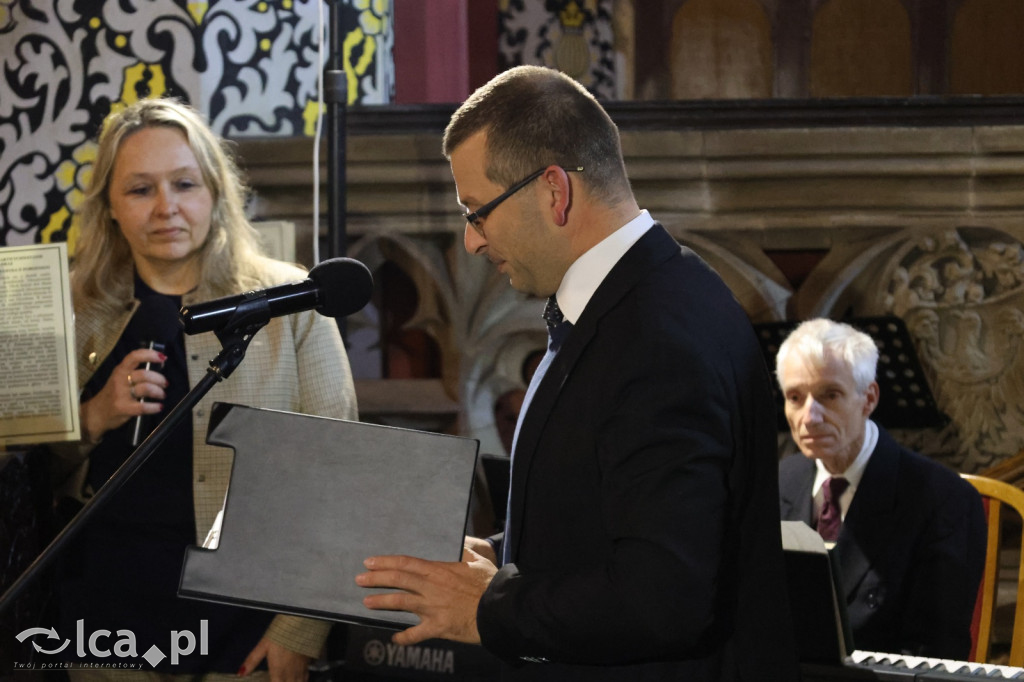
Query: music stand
905,401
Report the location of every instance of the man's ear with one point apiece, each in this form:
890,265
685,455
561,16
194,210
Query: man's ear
871,402
556,181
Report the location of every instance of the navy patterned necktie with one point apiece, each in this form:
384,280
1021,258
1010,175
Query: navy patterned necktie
558,326
831,518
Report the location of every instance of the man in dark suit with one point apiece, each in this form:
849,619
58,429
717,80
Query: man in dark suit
643,538
909,533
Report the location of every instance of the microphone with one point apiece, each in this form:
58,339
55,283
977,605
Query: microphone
335,288
156,320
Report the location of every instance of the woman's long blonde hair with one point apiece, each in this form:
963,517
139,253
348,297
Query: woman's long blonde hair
102,272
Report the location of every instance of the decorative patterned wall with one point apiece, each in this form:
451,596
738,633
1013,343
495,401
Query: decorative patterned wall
251,67
575,37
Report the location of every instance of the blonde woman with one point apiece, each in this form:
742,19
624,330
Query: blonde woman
163,226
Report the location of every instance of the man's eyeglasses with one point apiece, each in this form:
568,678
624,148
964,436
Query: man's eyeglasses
476,218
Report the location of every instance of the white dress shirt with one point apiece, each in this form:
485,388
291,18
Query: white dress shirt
584,276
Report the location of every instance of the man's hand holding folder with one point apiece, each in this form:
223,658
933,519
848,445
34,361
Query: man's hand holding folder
443,594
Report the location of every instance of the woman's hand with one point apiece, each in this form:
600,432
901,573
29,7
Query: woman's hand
283,664
120,399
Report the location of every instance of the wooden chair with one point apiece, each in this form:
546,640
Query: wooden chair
995,494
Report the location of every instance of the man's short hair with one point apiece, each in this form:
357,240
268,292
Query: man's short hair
536,117
814,339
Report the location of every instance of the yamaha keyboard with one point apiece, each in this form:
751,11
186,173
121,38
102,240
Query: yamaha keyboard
823,635
872,665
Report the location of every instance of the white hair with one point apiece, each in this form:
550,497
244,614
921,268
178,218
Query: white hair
814,339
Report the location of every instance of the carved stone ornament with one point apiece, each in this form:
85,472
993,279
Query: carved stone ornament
961,294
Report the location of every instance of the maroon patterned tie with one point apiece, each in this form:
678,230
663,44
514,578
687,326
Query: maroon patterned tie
831,516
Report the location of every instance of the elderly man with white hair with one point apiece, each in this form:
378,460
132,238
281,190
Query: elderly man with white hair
908,532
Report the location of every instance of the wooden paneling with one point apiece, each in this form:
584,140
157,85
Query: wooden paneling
721,49
987,58
861,48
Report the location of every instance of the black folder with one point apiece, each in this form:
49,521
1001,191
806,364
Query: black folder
310,498
819,611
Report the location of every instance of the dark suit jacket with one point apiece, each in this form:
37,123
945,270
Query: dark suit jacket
911,550
644,522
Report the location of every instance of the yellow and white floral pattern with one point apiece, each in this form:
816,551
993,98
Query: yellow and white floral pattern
250,65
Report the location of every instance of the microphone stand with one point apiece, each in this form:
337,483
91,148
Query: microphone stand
250,316
336,98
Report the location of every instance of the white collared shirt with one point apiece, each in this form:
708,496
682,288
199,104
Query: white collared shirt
585,275
853,473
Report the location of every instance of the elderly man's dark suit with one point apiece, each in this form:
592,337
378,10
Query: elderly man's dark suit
911,550
644,516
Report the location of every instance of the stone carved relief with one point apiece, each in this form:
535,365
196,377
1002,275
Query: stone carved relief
961,293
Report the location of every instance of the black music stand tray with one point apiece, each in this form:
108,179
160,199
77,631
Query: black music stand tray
310,498
906,400
815,594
